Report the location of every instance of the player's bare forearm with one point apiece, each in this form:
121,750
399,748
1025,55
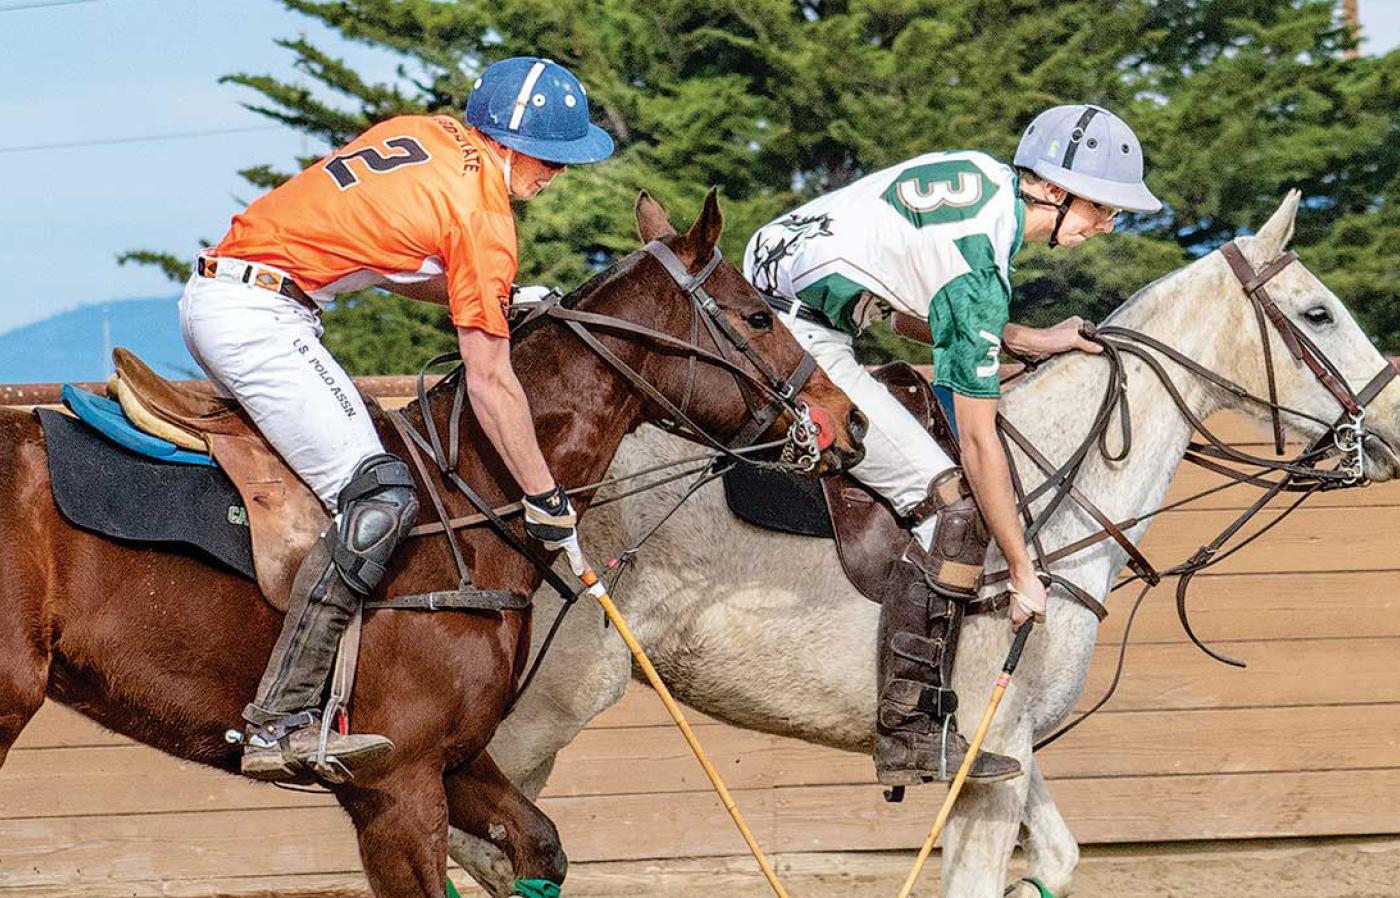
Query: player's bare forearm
501,407
432,290
911,328
1038,342
989,475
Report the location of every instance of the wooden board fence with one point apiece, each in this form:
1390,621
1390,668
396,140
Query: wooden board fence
1305,742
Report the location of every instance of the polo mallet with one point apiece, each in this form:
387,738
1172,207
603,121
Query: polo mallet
596,589
1013,658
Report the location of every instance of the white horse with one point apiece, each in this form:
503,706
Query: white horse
713,599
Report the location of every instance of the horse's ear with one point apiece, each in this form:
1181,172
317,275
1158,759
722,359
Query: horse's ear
652,221
704,235
1273,237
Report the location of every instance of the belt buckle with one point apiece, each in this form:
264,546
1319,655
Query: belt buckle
267,280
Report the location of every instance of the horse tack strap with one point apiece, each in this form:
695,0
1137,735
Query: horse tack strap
409,438
1254,284
453,600
1136,559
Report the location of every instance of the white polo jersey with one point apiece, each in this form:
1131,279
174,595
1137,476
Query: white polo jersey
931,237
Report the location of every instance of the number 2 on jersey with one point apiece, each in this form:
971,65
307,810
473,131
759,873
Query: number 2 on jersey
412,154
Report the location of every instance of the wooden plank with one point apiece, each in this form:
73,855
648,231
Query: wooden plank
1264,606
1175,675
1224,607
636,827
1312,539
1254,740
1280,674
1190,480
117,779
176,846
58,727
655,760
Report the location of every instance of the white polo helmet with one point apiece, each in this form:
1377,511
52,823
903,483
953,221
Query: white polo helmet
1090,152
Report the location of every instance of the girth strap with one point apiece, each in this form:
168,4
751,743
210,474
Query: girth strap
453,600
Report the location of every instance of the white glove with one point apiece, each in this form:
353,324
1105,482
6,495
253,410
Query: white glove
530,294
550,518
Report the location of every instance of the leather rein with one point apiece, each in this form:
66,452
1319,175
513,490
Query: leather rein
1343,437
800,449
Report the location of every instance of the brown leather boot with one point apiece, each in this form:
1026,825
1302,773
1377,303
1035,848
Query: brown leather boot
917,739
279,755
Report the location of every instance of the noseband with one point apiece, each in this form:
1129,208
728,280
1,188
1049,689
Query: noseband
1347,433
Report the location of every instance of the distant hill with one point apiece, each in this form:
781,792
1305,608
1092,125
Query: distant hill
76,345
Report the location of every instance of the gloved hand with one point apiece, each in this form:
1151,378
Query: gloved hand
551,519
1028,597
530,294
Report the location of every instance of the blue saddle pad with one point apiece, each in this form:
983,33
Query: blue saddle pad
108,419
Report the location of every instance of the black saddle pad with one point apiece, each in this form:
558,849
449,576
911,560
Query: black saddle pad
103,487
777,501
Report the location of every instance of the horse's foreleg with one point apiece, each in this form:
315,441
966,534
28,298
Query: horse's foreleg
1051,851
526,852
25,650
482,859
401,820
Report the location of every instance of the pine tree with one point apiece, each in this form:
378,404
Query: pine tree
775,101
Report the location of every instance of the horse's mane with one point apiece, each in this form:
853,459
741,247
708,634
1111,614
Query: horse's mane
1055,362
572,299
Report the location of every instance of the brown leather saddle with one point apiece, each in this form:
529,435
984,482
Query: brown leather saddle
869,535
284,517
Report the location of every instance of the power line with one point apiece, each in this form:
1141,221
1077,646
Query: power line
179,135
45,5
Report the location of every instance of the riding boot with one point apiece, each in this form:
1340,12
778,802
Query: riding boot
285,721
286,729
917,738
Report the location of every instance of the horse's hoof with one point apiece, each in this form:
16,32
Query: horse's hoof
1030,887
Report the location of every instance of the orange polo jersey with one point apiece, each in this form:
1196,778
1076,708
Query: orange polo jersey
411,198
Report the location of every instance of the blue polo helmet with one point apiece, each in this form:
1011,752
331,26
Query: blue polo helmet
537,107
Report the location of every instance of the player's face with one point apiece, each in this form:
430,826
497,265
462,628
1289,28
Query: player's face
528,175
1085,220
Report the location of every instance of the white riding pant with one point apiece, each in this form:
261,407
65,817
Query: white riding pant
264,350
901,459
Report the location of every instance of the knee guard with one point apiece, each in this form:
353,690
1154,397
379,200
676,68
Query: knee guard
377,508
954,561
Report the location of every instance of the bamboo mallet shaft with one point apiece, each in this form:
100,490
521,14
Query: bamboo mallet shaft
1012,659
595,587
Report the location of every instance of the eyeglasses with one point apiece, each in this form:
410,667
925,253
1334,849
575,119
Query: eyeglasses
553,166
1105,213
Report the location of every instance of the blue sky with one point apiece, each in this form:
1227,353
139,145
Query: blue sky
83,70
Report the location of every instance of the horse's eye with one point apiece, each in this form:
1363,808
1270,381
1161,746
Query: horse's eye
1318,316
760,321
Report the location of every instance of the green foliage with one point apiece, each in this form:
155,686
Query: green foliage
173,267
776,101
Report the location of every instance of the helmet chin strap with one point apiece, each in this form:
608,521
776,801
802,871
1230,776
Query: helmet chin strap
505,164
1061,210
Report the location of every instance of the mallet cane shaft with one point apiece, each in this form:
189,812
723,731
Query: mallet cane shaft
596,589
1013,658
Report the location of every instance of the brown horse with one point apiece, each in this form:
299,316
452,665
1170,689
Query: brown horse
166,649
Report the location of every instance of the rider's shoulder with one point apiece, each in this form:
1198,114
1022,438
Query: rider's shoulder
986,163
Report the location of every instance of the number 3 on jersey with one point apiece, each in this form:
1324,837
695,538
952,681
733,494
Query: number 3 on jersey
993,361
412,153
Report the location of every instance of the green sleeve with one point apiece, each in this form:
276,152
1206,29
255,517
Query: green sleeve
967,317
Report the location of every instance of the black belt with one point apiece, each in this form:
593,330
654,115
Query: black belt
805,312
255,275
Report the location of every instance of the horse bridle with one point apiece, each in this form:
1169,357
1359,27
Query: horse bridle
1348,432
801,450
1345,436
